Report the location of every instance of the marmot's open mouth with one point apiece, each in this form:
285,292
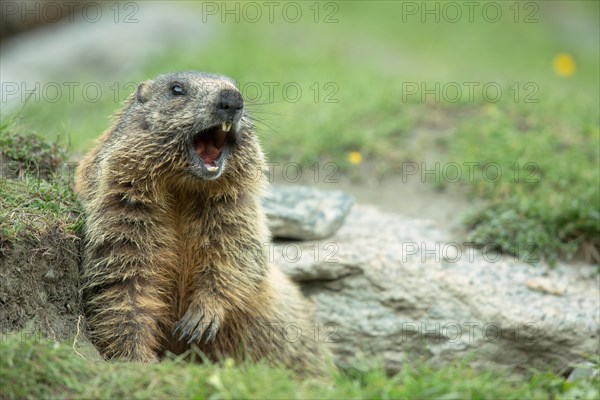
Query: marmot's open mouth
211,146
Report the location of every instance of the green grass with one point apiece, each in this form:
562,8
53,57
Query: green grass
29,205
24,152
548,193
35,370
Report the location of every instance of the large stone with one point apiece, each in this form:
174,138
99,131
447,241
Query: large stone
398,288
301,212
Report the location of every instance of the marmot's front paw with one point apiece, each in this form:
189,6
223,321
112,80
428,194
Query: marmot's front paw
197,323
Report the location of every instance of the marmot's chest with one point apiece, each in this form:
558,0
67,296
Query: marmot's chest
200,244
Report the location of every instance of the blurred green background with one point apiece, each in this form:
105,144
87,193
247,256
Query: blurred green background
382,84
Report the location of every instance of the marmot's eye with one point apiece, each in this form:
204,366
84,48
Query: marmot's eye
177,90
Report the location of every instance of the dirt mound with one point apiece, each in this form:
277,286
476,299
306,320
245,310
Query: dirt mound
40,253
40,240
40,281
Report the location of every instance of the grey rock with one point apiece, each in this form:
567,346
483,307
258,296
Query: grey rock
398,288
583,371
302,212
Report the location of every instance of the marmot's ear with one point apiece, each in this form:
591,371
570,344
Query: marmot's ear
143,92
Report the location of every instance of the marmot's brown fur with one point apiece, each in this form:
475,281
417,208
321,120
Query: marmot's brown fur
175,235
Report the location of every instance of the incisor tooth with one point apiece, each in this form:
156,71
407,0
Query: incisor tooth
212,168
226,126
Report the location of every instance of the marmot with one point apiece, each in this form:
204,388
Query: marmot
175,236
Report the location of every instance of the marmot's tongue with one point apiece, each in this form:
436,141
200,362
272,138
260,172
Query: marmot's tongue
210,145
208,151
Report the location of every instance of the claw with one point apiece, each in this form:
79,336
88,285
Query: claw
193,328
211,332
195,336
177,328
186,326
181,324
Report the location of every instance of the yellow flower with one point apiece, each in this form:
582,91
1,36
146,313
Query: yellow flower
564,65
355,157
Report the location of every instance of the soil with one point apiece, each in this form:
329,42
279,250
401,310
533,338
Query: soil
40,284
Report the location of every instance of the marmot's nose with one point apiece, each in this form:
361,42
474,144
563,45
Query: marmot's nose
230,104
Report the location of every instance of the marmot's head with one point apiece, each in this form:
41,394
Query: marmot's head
197,120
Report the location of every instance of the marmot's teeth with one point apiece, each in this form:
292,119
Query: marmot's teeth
211,168
226,126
